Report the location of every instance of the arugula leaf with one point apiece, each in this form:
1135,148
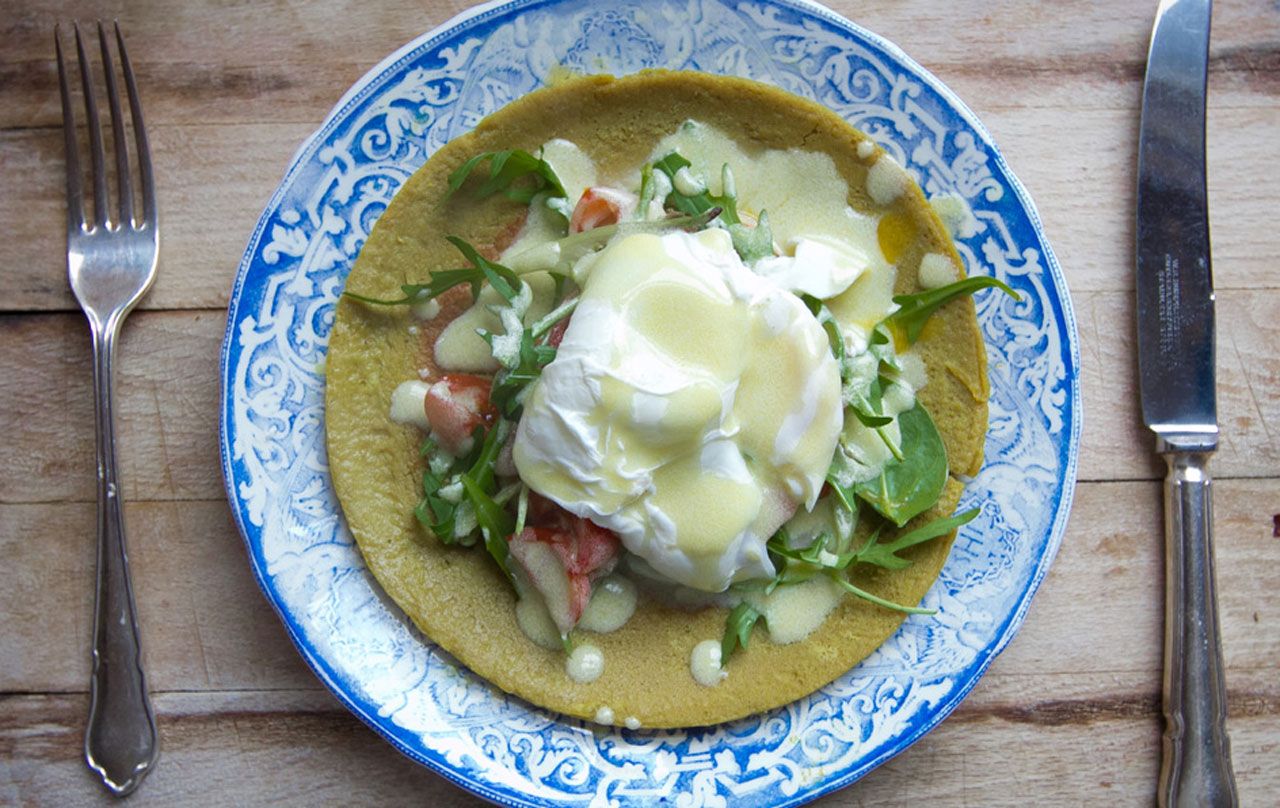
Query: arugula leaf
505,168
915,310
436,513
752,243
503,280
800,564
872,420
828,322
737,630
910,485
481,466
845,495
442,280
885,555
507,393
697,203
879,601
495,523
647,189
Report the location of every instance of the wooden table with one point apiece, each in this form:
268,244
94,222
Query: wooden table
1069,714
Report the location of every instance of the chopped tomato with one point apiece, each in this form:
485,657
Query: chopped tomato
582,545
557,333
571,552
455,406
600,206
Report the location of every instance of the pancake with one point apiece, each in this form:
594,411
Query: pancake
456,596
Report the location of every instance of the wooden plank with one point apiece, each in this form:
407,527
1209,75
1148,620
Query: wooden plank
168,398
1065,117
204,623
995,37
1115,443
207,628
265,748
212,185
166,407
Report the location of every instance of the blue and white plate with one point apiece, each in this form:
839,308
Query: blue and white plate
419,698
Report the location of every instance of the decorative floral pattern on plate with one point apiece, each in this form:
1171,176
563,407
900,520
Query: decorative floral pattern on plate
421,699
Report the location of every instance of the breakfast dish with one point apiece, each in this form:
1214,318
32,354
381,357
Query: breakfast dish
694,356
416,696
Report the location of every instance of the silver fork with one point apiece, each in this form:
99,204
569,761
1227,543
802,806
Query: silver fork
111,263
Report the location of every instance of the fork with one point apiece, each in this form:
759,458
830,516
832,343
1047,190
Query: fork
111,263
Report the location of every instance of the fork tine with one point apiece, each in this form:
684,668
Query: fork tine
124,183
75,189
97,156
139,134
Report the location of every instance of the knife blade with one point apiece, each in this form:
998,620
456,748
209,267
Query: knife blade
1176,374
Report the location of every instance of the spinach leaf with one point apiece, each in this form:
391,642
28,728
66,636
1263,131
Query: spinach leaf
916,309
505,168
737,630
909,486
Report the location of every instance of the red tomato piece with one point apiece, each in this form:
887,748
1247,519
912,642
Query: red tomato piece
575,551
600,206
556,334
455,406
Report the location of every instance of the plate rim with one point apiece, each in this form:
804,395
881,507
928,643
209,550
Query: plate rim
1065,318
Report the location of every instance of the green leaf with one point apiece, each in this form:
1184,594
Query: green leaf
509,386
646,189
503,280
482,270
908,487
495,523
915,310
832,328
505,169
871,420
697,203
442,280
846,496
752,243
481,468
886,555
879,601
737,630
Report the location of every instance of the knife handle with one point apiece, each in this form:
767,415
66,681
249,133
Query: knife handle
1196,765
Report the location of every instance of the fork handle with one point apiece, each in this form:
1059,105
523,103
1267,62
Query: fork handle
120,742
1196,765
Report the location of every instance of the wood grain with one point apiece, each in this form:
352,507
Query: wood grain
284,747
1065,122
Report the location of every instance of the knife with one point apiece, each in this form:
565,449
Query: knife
1176,378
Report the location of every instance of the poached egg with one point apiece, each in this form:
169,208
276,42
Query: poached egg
692,406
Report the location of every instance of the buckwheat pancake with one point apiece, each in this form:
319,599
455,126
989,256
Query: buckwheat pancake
456,596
